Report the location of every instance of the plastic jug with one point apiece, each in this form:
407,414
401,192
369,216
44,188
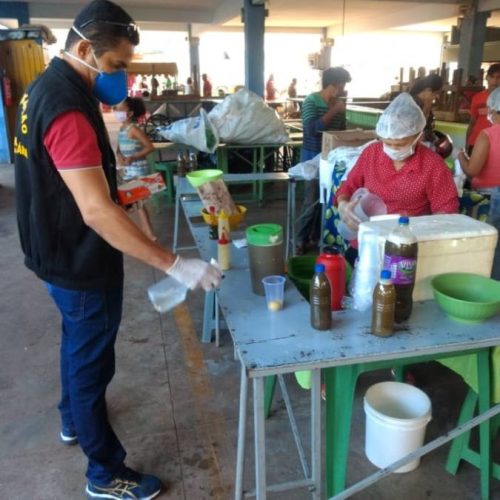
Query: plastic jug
369,205
265,251
334,263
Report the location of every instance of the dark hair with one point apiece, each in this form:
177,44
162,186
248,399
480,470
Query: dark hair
136,105
335,76
104,23
494,68
432,81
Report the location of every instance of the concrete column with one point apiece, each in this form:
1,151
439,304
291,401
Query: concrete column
15,10
253,18
472,37
194,59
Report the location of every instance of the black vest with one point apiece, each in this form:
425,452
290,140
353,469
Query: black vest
58,246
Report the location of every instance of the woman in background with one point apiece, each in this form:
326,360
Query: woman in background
484,167
133,148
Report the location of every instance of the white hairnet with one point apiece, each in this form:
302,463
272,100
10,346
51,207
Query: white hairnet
402,118
493,101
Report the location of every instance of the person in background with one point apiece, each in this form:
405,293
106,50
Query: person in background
155,85
132,151
144,84
270,88
484,167
189,88
73,233
410,178
468,94
478,108
207,85
323,110
425,91
292,88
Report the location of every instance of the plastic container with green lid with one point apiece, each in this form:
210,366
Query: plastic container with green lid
265,251
264,234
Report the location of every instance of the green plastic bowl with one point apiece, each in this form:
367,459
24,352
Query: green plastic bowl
467,298
199,177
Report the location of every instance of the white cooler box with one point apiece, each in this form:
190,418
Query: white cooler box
446,243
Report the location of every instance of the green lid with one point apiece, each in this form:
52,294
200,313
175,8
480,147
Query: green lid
262,235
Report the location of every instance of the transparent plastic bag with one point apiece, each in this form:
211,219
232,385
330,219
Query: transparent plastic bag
166,294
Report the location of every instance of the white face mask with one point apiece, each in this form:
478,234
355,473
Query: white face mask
121,116
490,117
401,154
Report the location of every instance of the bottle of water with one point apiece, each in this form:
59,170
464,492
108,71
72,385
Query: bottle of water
166,294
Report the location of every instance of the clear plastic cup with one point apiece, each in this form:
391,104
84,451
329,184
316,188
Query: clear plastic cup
274,287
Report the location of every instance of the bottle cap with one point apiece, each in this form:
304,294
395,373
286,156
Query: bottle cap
319,268
385,274
404,220
332,250
223,239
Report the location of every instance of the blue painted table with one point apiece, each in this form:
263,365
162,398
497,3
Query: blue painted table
275,343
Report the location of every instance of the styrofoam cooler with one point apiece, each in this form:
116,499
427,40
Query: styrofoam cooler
446,243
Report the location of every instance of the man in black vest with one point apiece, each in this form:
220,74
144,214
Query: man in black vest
73,232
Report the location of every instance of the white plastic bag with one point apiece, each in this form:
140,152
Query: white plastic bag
244,118
198,132
348,155
308,169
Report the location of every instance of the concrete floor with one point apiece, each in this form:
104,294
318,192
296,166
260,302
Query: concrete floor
173,401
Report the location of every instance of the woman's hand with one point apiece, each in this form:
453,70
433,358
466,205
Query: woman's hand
346,212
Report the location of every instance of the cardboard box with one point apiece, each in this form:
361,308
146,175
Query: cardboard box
141,188
353,138
446,244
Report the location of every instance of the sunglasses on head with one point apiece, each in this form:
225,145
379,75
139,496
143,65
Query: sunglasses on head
131,29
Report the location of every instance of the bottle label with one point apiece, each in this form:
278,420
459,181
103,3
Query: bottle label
402,269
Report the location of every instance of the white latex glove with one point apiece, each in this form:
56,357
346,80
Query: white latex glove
195,273
347,215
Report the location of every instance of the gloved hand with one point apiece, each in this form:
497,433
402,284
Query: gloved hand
195,273
346,212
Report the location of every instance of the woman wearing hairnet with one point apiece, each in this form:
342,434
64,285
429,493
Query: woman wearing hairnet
410,178
484,167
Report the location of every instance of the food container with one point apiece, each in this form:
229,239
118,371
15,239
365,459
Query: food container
446,243
265,252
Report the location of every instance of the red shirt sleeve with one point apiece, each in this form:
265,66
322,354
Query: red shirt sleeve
72,142
441,190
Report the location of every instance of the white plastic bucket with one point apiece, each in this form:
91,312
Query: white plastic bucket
396,418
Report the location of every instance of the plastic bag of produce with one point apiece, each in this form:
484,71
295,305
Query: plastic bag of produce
244,118
198,132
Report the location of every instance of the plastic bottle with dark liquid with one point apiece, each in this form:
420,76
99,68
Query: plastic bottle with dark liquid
320,299
400,257
384,304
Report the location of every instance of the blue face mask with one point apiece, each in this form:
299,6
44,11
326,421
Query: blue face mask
109,88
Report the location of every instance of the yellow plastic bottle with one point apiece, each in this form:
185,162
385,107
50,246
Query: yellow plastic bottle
223,227
224,252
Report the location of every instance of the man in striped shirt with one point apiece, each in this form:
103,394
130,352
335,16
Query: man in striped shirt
323,110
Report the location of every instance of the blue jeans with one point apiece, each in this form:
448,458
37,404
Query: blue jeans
90,321
309,219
